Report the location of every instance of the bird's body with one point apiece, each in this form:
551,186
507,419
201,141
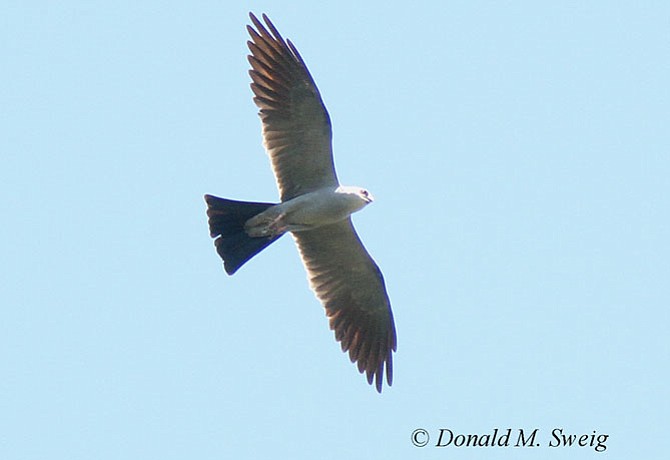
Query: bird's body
309,211
314,207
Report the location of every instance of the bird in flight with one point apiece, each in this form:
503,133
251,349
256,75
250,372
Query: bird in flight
314,207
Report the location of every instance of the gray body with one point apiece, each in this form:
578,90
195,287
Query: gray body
309,211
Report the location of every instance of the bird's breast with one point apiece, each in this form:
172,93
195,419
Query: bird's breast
315,209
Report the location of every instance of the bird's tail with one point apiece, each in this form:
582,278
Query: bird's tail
226,224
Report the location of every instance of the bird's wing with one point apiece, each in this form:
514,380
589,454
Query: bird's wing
296,125
351,287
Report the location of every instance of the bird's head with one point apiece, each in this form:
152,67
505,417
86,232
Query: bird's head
362,194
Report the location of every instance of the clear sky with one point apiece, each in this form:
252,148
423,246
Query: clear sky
518,153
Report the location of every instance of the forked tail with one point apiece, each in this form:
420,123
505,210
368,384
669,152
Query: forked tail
226,224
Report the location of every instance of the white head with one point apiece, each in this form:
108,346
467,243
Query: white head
361,196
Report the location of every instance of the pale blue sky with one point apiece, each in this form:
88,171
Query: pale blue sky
518,153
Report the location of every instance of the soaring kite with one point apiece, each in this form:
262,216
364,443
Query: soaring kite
314,207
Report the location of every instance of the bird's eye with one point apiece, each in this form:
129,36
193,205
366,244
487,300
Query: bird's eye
364,192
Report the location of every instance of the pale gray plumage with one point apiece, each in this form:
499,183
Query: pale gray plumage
314,207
